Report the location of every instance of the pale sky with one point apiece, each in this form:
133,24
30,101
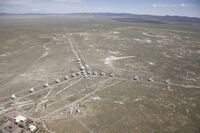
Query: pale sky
152,7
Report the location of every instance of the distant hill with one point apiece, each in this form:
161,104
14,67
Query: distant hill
127,17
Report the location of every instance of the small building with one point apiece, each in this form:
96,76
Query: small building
83,71
19,119
31,90
151,79
82,67
71,109
78,73
112,75
73,75
95,73
32,128
2,108
168,82
46,85
103,74
22,124
66,77
13,97
78,59
85,76
87,66
57,80
79,63
136,77
78,110
76,55
88,72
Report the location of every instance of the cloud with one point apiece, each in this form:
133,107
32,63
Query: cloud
154,5
35,9
172,5
27,2
186,5
68,1
14,2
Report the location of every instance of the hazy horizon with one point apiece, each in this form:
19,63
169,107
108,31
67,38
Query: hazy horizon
190,8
